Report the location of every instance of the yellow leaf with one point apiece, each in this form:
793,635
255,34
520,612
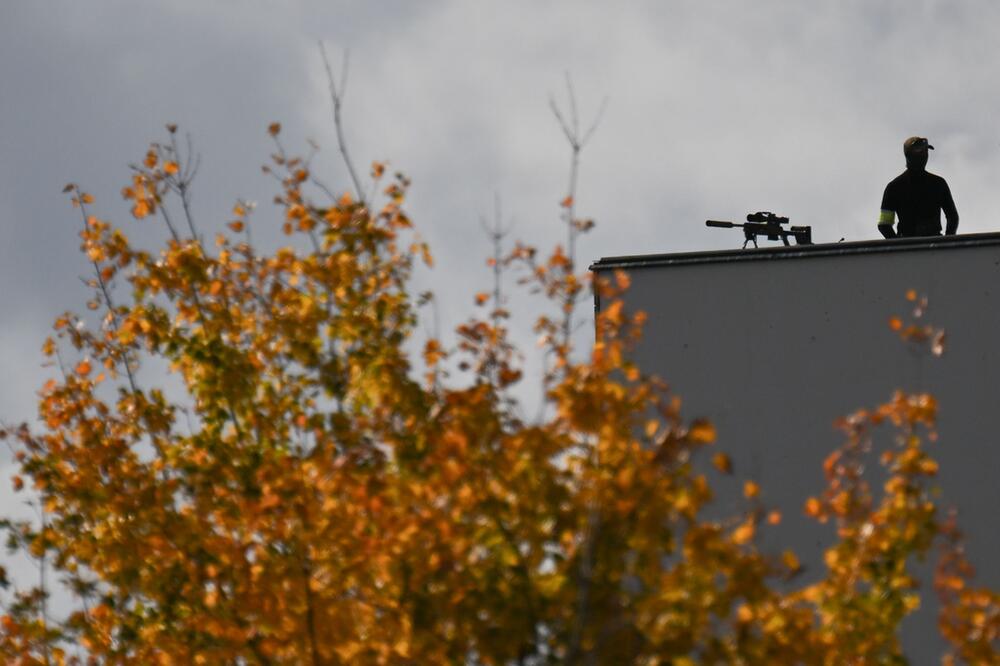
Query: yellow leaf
751,489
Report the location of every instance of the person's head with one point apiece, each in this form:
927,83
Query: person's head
915,149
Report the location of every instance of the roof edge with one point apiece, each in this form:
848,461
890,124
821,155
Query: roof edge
799,251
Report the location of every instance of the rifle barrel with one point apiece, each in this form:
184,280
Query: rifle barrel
722,224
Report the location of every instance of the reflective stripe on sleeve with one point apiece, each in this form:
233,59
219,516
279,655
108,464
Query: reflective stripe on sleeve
886,217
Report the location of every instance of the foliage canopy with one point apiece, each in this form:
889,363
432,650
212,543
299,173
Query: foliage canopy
316,494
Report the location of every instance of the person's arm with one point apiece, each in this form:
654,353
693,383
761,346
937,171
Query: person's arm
885,221
887,216
950,212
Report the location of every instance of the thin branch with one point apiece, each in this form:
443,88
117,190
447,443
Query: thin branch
336,98
572,105
183,183
571,129
597,121
106,294
170,225
562,121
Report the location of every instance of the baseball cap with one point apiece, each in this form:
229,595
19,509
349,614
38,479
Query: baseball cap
916,143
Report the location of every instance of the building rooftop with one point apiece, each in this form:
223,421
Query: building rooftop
772,252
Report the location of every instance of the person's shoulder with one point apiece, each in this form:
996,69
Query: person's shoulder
936,178
897,180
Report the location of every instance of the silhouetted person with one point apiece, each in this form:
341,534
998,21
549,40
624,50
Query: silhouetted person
917,197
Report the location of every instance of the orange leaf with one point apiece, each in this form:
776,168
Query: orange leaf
623,280
722,463
567,202
170,168
482,297
702,432
895,323
744,533
751,489
789,559
83,368
273,129
236,226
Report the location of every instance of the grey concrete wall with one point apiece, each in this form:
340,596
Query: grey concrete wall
774,350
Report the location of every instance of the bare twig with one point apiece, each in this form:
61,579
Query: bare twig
496,232
577,141
182,184
337,97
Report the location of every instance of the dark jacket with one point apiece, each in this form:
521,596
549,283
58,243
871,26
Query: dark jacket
917,197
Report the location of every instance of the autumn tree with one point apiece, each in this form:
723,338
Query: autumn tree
316,493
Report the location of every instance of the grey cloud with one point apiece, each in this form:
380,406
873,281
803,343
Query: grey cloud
715,109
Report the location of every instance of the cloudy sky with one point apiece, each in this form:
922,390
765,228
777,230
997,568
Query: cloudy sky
715,109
